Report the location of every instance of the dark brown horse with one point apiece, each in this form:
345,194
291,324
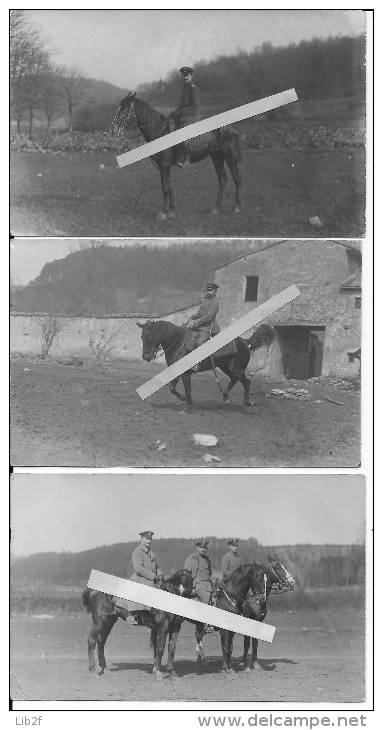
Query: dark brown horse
245,593
278,580
162,624
174,342
222,146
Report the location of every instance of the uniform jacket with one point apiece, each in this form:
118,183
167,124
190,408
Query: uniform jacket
145,566
188,108
206,315
229,564
200,568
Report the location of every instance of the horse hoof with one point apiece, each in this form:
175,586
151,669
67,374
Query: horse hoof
161,217
249,403
226,401
248,669
159,676
214,211
237,209
171,214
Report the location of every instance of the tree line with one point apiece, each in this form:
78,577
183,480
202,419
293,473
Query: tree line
318,69
102,279
313,566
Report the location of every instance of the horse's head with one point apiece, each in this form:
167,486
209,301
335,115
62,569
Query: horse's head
125,116
150,341
279,576
180,583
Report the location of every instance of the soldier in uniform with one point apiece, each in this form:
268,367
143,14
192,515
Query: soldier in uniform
199,564
204,321
187,112
146,571
231,561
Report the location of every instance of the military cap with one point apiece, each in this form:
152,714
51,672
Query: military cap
202,542
186,70
233,541
212,285
146,533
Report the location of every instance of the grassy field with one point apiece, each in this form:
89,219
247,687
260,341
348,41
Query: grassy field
38,598
78,194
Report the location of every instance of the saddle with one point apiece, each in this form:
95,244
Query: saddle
190,339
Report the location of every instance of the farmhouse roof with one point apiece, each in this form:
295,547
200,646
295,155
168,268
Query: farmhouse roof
354,281
351,245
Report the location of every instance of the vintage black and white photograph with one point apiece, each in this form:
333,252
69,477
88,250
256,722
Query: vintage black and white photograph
90,85
281,550
92,322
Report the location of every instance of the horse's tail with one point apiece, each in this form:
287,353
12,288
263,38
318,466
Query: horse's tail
263,336
85,599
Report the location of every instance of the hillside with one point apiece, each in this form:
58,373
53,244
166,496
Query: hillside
314,566
102,279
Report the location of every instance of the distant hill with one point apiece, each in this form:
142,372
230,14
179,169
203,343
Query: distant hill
102,279
311,565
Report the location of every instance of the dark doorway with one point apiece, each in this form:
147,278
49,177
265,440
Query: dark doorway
301,351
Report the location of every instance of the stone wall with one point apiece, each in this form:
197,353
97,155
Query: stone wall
77,331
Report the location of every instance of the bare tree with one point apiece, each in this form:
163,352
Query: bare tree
74,87
51,102
29,59
104,345
50,327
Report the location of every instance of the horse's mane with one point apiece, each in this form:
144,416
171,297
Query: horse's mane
151,118
167,329
174,580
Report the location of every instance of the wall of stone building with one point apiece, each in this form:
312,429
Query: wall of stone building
318,268
74,339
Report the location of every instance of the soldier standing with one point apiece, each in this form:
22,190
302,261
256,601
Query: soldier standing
231,561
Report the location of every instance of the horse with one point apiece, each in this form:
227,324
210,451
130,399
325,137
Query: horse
223,146
279,580
161,623
233,595
174,342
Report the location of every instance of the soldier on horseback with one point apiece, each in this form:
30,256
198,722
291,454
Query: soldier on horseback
231,561
204,323
199,564
146,571
186,113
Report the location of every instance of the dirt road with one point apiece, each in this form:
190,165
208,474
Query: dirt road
68,416
316,656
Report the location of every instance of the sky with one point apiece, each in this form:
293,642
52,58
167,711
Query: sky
78,512
130,47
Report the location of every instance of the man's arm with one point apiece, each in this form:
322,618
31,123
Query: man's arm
225,566
191,565
210,313
140,568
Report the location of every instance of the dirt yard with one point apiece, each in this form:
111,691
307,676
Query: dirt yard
71,416
316,656
86,194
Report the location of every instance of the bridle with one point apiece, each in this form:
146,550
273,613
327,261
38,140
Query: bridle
282,585
154,352
129,120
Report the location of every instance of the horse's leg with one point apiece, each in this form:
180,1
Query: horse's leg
92,641
174,391
240,375
236,175
219,166
199,633
254,655
246,647
174,630
164,173
186,379
225,367
225,651
105,629
230,642
161,630
172,202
